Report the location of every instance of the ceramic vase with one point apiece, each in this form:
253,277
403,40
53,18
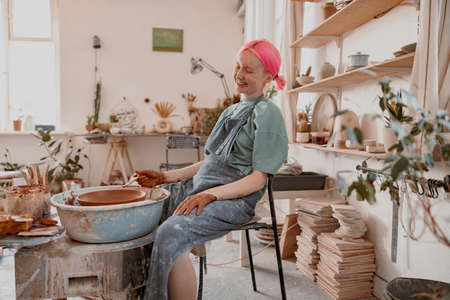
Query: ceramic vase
327,70
389,138
163,126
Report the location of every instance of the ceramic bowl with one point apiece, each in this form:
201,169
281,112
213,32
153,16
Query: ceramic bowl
110,223
304,80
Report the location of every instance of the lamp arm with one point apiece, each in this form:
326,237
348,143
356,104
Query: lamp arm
226,89
209,67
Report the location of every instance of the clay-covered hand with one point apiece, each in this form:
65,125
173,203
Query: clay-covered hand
199,200
149,178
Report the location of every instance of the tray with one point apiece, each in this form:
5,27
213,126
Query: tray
304,181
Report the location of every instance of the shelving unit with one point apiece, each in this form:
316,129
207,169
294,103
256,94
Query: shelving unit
351,16
403,63
324,148
333,28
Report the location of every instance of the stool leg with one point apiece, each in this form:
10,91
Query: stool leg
277,243
250,258
200,279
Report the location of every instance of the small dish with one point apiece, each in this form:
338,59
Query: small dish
304,80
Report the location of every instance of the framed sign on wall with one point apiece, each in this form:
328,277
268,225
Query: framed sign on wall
165,39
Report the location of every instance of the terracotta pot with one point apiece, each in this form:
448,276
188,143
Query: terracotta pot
89,127
389,138
17,125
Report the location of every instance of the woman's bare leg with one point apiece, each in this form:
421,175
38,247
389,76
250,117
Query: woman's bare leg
182,283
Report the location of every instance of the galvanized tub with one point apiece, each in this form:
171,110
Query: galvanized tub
109,223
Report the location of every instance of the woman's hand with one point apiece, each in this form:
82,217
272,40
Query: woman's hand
149,178
199,200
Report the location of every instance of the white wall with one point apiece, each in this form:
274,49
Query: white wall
128,67
380,37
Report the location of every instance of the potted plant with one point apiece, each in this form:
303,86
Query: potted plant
417,138
306,78
64,157
164,110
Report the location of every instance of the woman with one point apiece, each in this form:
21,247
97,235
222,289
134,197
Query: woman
214,196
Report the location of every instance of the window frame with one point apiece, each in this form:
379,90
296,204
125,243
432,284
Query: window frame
54,38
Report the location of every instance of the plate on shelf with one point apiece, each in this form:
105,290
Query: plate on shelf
324,109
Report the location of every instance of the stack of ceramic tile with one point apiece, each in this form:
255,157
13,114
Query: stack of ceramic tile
351,224
264,235
314,217
346,267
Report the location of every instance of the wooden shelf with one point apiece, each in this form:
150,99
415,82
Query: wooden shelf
353,15
400,64
324,148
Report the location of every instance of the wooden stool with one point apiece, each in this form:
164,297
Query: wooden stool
117,148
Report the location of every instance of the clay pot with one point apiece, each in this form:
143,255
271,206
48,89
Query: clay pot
105,127
89,127
328,9
327,70
17,125
389,139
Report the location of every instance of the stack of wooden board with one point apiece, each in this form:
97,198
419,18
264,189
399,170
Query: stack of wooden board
351,224
314,217
346,267
266,236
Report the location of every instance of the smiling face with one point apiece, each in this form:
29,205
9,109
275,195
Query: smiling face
250,76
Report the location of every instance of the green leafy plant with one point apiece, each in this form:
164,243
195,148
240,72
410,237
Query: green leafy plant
418,136
65,158
8,165
271,92
90,120
308,110
210,119
97,102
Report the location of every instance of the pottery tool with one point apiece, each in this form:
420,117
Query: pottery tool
132,179
394,239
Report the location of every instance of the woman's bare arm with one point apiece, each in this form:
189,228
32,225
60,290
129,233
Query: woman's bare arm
240,188
180,174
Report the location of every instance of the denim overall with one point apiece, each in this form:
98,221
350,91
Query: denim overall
178,234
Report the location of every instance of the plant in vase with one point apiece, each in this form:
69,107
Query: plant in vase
64,158
404,171
164,110
9,166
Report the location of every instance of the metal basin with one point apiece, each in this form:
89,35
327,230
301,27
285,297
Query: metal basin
109,223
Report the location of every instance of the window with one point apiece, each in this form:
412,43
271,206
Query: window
31,73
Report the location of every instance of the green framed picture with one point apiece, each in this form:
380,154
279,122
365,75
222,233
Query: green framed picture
165,39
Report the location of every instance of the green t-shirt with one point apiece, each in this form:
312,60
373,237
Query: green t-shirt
262,143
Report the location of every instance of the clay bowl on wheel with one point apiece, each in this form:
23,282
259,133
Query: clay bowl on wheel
110,197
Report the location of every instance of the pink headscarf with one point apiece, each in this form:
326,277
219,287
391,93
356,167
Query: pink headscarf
269,56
